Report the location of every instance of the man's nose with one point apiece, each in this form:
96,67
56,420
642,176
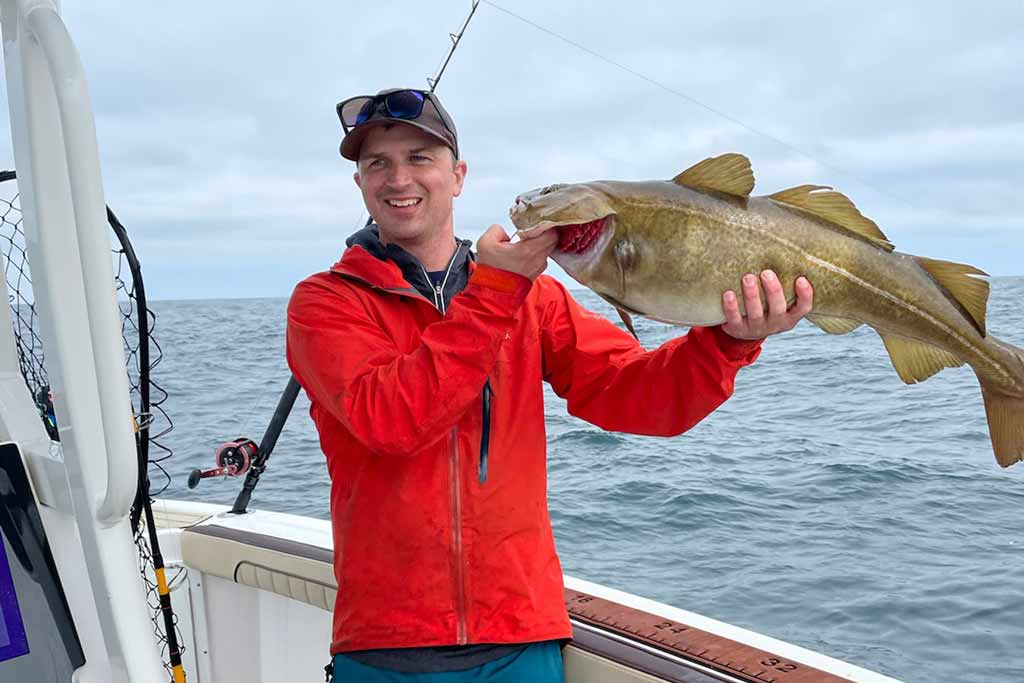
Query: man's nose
399,175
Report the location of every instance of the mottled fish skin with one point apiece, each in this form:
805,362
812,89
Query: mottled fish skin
669,251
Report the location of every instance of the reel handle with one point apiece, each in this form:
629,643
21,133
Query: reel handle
233,459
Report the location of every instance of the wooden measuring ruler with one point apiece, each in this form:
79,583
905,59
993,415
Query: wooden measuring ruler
717,653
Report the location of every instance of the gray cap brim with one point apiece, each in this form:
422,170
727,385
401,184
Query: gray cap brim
353,142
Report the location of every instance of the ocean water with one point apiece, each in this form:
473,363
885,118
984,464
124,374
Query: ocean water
826,503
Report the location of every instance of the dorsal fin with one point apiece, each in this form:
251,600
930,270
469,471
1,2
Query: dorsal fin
916,361
959,281
834,207
728,173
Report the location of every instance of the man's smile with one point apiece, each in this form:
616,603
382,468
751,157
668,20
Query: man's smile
401,203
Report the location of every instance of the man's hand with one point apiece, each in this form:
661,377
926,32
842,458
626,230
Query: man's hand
757,325
526,257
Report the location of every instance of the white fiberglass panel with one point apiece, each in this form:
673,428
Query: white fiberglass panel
257,636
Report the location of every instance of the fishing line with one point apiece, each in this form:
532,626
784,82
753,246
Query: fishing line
692,100
242,423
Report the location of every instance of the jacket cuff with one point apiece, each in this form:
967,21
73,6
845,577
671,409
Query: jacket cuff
738,350
504,281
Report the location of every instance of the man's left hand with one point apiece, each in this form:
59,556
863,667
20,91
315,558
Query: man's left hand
757,324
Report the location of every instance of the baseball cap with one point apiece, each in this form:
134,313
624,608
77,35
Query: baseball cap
359,115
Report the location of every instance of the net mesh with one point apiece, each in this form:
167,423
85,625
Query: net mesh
142,355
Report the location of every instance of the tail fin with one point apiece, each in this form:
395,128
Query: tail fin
1006,412
1005,425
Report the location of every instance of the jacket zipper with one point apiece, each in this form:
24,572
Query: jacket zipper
485,437
456,482
456,485
439,289
460,588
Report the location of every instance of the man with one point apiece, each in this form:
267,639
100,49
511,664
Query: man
424,371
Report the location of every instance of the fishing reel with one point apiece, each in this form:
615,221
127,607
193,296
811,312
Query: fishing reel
233,459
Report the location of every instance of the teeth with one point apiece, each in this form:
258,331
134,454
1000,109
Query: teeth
403,202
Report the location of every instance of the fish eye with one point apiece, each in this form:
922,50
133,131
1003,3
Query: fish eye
551,188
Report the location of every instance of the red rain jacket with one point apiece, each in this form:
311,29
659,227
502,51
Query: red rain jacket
425,555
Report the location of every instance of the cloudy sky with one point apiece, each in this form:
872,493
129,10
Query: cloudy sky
219,140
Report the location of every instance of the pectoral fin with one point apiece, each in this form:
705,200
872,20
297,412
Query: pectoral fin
916,361
628,322
834,325
624,312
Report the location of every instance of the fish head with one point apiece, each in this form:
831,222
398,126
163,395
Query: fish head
584,216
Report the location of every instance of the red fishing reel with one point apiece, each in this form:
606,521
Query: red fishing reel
233,458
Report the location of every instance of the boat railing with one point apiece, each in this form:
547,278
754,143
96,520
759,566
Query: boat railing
83,172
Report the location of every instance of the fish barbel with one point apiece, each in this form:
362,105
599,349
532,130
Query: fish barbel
667,250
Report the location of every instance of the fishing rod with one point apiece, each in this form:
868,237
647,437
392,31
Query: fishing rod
455,37
266,447
244,456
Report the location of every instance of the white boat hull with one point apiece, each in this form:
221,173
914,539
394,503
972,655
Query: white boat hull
258,590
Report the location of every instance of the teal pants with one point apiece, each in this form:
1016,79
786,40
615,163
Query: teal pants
539,663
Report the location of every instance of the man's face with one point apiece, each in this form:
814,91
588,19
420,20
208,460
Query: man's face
408,182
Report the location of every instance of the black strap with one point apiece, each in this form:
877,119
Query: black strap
329,672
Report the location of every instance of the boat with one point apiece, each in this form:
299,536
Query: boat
101,584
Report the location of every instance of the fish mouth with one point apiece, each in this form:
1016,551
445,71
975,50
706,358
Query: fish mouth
574,239
579,246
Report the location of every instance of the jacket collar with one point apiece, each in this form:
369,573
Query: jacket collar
389,267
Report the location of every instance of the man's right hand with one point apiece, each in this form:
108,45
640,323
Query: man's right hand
526,257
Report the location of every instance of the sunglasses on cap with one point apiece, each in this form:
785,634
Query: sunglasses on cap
405,104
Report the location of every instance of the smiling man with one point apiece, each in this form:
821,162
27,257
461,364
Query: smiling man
424,367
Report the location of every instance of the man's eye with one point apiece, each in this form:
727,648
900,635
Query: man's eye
376,163
419,158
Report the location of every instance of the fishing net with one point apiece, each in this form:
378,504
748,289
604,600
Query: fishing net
19,286
142,355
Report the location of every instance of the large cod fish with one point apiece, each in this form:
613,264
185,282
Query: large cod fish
668,249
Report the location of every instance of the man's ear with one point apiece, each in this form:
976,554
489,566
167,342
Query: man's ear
355,177
460,176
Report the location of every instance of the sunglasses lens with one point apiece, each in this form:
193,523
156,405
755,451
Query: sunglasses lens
365,112
356,110
404,104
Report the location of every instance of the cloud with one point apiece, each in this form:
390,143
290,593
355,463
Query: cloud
216,122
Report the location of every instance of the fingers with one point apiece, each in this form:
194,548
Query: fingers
541,248
752,300
804,299
542,244
774,294
538,235
532,233
758,322
546,241
495,234
526,257
731,308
